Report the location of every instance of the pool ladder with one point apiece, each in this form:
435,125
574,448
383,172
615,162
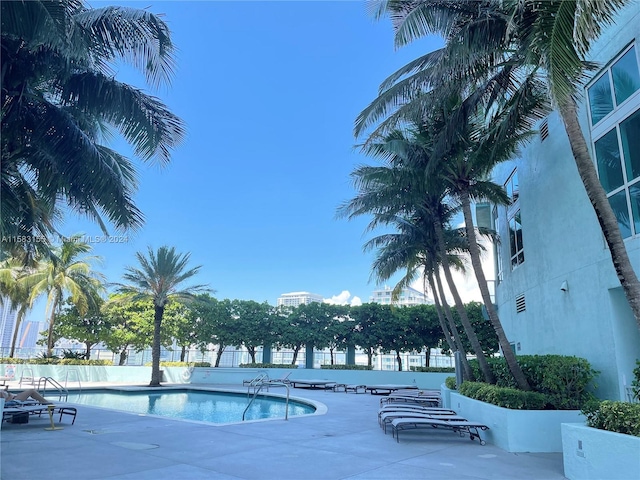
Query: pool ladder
62,392
268,384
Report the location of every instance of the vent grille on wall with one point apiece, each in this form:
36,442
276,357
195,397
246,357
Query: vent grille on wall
544,130
520,303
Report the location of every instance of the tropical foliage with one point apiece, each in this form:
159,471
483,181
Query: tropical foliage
60,105
159,277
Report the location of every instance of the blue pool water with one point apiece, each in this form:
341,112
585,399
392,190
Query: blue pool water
214,407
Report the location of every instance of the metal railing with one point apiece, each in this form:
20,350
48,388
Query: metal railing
269,383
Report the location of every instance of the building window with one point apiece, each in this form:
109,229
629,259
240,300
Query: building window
514,220
615,117
515,240
497,246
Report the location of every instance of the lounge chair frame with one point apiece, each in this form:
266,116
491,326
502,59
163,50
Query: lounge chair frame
457,426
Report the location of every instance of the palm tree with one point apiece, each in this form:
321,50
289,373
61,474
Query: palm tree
404,189
66,270
159,277
495,51
60,101
14,291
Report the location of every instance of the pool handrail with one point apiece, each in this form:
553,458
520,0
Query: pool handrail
269,383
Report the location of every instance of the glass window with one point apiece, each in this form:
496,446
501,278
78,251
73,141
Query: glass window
634,197
600,100
512,187
626,79
608,158
621,210
515,239
617,140
629,133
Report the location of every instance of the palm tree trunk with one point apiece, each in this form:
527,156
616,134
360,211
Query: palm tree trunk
370,357
19,317
466,324
399,360
467,373
183,353
155,347
52,319
87,353
602,207
474,252
445,330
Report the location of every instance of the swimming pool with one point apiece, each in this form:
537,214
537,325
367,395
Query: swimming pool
205,406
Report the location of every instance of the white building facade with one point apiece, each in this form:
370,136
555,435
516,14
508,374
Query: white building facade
557,291
294,299
408,297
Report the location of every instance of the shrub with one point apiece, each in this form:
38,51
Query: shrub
503,396
267,365
346,367
635,385
619,417
12,361
450,383
77,361
434,369
182,364
564,380
74,355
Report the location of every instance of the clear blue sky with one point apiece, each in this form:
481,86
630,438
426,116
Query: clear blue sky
269,92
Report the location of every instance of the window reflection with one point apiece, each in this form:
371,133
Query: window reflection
600,100
630,135
608,158
626,79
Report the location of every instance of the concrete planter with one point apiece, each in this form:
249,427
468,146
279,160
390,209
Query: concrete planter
517,430
590,453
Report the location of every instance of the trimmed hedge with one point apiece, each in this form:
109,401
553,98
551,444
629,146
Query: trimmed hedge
434,369
619,417
503,396
181,364
53,361
267,365
450,383
564,380
346,367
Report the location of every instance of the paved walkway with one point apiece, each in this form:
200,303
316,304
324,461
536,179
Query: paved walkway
343,443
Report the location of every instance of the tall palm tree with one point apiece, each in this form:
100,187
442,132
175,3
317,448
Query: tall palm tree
404,189
61,101
409,249
493,50
159,277
68,269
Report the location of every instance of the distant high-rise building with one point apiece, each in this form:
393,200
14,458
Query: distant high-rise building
408,297
294,299
7,324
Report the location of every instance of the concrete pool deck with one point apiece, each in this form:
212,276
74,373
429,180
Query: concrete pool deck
344,443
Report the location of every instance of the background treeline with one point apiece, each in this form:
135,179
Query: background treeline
122,323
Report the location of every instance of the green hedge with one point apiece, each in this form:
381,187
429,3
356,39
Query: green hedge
346,367
267,365
503,396
450,383
564,380
434,369
53,361
181,364
619,417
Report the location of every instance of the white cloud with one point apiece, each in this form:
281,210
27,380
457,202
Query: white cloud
341,299
355,301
